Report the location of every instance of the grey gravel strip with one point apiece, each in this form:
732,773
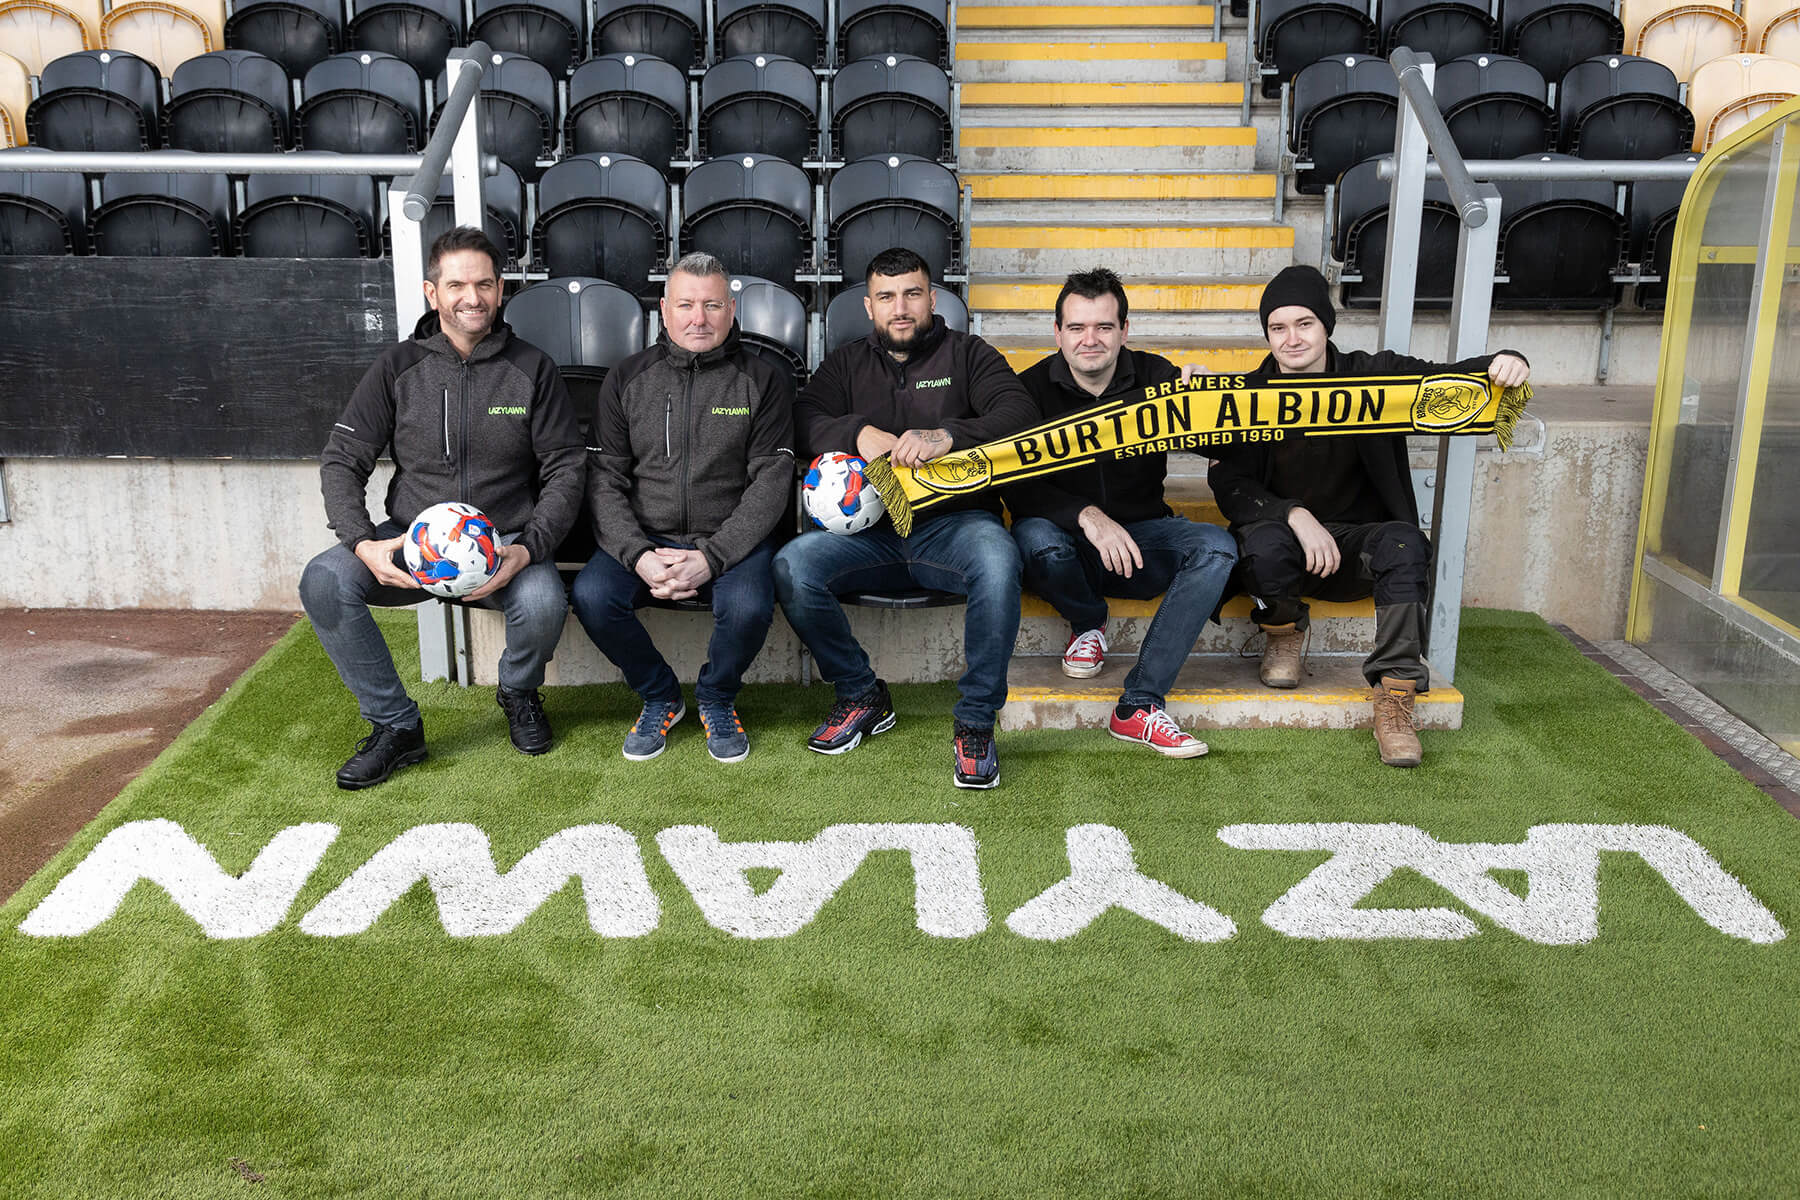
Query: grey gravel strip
1741,737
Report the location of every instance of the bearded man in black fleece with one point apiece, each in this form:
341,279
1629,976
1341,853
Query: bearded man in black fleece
468,412
688,477
1335,517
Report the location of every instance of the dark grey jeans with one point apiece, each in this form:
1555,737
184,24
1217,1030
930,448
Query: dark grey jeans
336,590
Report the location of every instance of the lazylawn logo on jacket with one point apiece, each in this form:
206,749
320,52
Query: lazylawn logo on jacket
921,384
731,412
1560,905
508,410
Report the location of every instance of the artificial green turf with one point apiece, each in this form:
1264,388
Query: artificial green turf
862,1057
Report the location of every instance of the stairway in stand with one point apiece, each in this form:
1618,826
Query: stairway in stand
1111,136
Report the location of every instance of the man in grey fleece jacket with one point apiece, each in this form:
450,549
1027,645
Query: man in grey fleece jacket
467,412
688,478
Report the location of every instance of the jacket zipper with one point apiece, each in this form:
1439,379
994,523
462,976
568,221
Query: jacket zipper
687,445
445,412
463,469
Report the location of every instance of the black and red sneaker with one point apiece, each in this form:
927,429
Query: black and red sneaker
977,759
870,713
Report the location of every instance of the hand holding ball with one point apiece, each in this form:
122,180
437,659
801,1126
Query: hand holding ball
452,549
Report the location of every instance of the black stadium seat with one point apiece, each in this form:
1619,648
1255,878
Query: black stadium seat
754,212
298,34
309,216
771,323
672,30
551,33
517,104
1359,233
177,215
605,215
587,326
759,104
1293,34
1495,106
1343,112
897,200
628,104
916,27
1554,35
361,103
1444,29
891,104
503,196
792,28
846,319
229,102
97,100
1618,106
1651,214
419,32
1561,241
41,212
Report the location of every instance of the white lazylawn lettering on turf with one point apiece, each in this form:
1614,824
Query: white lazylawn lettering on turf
1561,906
946,876
1561,864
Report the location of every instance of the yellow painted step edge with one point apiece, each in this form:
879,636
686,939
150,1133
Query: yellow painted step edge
1107,51
1218,358
1439,696
1146,136
1057,16
1114,237
1178,297
976,94
1236,607
1121,187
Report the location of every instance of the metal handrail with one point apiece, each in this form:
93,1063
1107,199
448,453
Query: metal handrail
1621,170
471,65
1464,194
161,162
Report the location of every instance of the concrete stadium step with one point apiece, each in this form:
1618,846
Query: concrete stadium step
1335,629
1058,145
1089,61
1114,187
1218,359
1037,296
1003,248
1197,97
1215,692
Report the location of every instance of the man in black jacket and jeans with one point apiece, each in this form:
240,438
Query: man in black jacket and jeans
1104,529
1335,517
689,474
914,389
468,412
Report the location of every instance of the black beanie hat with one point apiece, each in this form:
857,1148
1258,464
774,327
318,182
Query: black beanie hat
1300,285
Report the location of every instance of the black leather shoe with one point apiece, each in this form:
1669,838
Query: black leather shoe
525,720
384,751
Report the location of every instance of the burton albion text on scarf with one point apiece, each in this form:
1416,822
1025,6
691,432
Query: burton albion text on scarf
1210,412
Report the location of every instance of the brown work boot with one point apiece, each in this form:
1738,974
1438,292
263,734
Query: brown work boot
1395,733
1281,655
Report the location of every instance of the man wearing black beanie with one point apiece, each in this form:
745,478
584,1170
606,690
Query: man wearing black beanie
1335,517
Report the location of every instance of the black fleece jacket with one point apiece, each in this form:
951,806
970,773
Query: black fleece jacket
951,380
1240,480
695,448
496,431
1129,489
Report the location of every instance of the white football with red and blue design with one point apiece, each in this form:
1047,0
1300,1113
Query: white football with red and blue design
452,549
838,497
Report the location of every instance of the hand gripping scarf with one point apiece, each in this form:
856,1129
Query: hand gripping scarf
1209,413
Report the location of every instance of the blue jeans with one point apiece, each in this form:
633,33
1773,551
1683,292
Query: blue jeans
336,590
969,553
608,594
1189,561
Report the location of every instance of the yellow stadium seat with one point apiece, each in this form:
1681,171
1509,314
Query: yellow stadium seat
1686,35
15,97
36,31
1742,111
1774,28
1724,82
166,32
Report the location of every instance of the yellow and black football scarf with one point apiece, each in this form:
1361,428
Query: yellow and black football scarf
1209,413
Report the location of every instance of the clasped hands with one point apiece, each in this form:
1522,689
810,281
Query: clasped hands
672,573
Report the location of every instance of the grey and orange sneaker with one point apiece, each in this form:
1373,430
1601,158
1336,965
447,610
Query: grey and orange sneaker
726,740
650,736
870,713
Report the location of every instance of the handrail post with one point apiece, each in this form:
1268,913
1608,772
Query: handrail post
1406,201
1476,249
465,151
